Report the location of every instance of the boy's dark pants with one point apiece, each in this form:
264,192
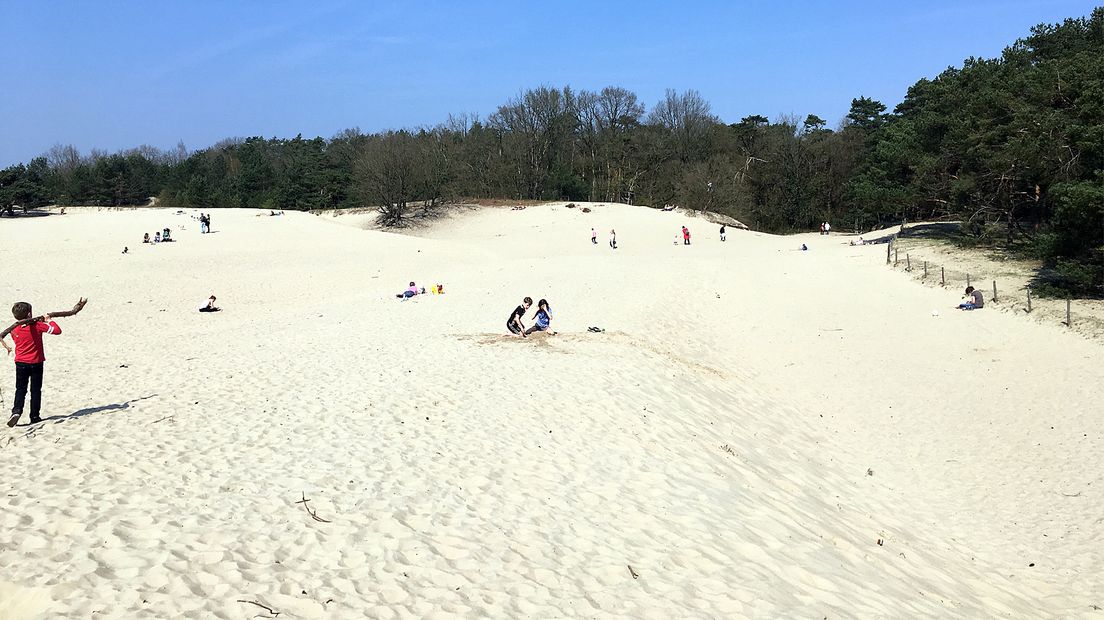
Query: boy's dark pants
25,373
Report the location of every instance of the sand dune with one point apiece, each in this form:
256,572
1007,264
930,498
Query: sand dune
751,423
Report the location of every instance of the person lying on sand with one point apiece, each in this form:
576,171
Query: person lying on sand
543,318
410,291
514,323
974,301
209,305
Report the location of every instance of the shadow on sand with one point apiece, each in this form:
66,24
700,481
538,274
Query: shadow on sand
101,409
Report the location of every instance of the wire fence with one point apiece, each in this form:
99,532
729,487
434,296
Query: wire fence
1013,295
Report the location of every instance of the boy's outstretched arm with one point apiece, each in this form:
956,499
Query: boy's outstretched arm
6,347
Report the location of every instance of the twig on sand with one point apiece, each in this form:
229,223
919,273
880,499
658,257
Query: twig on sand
1077,494
170,418
632,572
262,606
313,514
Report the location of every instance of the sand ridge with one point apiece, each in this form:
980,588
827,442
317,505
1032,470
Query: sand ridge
752,421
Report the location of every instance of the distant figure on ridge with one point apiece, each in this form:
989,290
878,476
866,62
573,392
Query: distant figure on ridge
613,238
685,236
722,232
593,236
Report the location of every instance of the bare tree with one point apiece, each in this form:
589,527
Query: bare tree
688,119
540,123
392,174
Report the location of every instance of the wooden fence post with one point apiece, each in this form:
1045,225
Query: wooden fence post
1069,322
942,276
925,270
894,257
1029,299
889,246
908,262
994,291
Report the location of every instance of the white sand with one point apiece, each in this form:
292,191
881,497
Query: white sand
716,438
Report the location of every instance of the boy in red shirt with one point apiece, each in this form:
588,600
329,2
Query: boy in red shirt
29,356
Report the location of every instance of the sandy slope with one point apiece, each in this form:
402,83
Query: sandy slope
752,421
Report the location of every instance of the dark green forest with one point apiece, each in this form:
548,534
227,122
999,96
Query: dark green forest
1011,146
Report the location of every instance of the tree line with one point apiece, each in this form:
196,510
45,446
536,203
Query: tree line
1013,146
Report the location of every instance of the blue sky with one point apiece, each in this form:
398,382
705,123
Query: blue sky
113,75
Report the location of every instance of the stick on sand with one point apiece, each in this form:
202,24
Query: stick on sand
63,313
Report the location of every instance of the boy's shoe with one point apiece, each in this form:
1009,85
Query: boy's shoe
36,420
14,418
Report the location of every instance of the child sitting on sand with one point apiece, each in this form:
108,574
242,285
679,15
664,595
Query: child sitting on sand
29,358
974,300
209,305
514,322
543,318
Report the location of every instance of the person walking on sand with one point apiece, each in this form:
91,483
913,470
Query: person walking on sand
722,232
685,236
593,236
613,238
29,359
827,228
514,323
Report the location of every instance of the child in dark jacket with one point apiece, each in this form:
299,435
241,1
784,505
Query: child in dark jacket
29,358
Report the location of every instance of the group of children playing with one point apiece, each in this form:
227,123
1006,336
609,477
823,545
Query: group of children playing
542,320
414,289
165,236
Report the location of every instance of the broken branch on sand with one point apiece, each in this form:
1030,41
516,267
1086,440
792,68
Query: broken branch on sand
262,606
313,514
62,313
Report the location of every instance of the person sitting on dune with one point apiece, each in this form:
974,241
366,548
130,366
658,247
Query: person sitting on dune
514,323
974,301
145,238
209,305
543,319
